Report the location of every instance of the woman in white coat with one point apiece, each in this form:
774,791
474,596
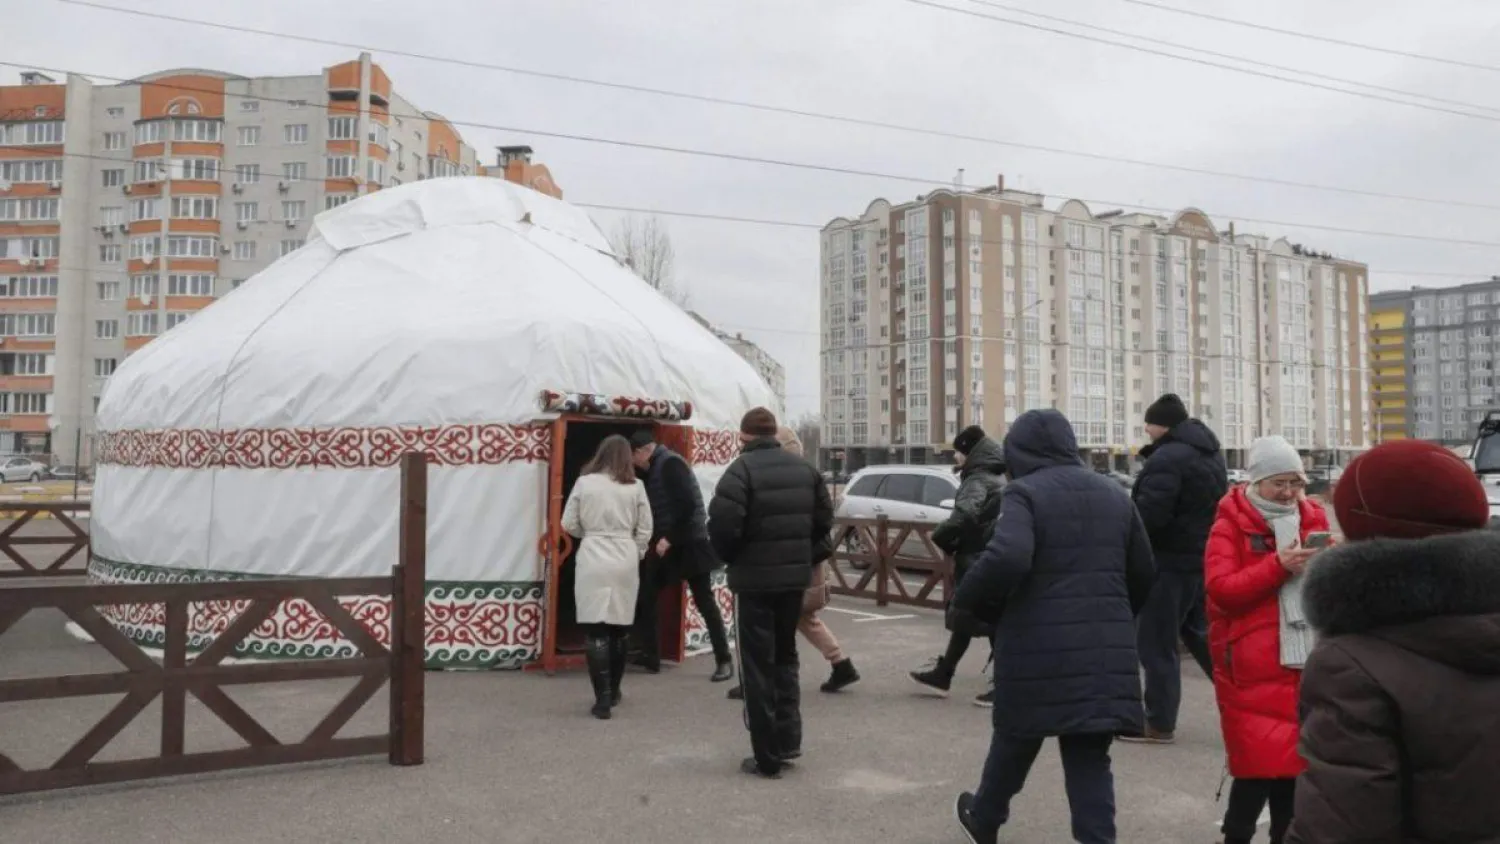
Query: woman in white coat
609,513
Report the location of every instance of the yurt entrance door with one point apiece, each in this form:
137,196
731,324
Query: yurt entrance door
575,439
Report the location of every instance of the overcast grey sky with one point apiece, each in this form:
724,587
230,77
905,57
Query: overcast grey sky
903,63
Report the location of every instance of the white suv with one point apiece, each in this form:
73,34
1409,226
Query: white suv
922,494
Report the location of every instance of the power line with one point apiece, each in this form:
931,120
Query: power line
1204,62
1230,56
774,109
819,226
1327,39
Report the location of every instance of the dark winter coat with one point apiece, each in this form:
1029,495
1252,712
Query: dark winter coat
678,515
1178,492
1257,695
1070,560
1401,697
966,531
770,519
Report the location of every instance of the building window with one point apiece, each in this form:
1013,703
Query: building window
114,178
375,171
106,329
247,174
38,133
341,167
109,291
176,318
150,132
334,200
192,247
104,367
341,128
244,250
200,131
290,246
141,324
35,403
197,169
195,207
25,170
31,365
293,209
246,212
109,253
149,170
294,133
114,141
194,284
40,208
143,209
30,287
294,171
142,286
28,325
249,136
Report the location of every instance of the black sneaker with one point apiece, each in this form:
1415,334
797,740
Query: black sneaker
723,672
843,677
737,693
963,811
986,700
938,678
1150,735
750,766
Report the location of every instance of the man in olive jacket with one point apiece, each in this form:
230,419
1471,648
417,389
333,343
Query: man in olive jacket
963,536
769,522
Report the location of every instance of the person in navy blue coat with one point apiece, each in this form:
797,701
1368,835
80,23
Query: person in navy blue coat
1071,563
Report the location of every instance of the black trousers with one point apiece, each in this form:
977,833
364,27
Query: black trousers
1246,800
766,628
1173,612
656,574
1087,778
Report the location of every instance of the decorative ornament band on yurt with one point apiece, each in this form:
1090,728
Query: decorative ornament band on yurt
343,448
590,404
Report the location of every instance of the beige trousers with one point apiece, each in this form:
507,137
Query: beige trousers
812,627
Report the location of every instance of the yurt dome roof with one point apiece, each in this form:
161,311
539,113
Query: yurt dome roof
446,300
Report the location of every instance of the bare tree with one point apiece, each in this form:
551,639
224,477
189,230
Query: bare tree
646,246
809,428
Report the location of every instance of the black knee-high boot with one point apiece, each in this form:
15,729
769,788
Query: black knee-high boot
597,652
619,649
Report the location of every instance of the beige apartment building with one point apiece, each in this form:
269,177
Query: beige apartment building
971,306
127,208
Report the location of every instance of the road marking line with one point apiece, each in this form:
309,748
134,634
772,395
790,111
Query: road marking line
1265,818
865,616
884,618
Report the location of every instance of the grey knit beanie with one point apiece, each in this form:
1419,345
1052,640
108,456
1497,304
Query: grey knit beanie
1272,456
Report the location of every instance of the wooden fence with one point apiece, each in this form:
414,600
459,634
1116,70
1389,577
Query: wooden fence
205,675
44,526
882,560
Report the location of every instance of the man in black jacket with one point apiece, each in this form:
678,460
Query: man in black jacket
679,551
1177,494
1070,561
963,536
769,522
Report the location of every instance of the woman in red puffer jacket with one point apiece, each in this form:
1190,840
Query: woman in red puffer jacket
1258,640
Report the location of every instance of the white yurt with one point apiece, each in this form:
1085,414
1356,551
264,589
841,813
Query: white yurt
483,323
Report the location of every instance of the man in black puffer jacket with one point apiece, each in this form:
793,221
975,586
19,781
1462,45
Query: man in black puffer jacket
679,551
769,522
1070,560
1177,494
963,536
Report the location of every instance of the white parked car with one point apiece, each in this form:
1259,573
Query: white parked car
901,493
22,469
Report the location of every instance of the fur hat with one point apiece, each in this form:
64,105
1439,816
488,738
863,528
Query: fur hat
1272,456
967,439
1409,489
1167,411
759,422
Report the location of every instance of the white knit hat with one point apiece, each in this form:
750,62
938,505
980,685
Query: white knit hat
1272,456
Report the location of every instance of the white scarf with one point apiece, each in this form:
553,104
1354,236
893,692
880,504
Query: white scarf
1297,636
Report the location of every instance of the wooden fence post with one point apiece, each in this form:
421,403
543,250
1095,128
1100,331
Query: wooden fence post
883,558
409,617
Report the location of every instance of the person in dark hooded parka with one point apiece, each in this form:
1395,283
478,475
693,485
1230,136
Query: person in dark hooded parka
1071,562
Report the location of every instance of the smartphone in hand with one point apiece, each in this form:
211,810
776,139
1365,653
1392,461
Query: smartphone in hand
1318,539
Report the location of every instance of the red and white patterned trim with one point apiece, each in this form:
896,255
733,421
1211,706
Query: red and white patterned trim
342,448
715,447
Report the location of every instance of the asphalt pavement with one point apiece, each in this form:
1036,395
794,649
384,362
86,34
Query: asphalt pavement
515,757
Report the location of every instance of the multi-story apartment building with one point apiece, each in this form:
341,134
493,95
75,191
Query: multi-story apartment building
770,370
126,208
1452,349
1390,409
970,306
